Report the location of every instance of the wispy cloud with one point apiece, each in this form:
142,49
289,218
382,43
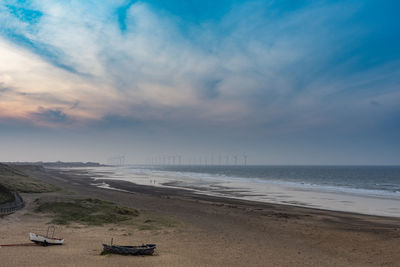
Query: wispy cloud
127,59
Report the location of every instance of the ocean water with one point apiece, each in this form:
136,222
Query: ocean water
379,178
362,189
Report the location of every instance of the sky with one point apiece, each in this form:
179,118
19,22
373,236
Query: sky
283,82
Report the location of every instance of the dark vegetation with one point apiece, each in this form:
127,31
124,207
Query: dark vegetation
5,195
85,211
16,180
95,212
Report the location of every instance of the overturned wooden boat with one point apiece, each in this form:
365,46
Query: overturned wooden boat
145,249
47,239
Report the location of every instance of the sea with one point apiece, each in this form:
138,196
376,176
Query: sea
373,190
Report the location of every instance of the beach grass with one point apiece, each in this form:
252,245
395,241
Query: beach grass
16,180
154,222
85,211
5,195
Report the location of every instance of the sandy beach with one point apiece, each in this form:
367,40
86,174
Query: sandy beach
212,133
204,231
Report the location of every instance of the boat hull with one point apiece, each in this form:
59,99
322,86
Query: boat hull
130,250
42,240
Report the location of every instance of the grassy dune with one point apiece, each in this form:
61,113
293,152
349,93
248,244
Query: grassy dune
86,211
66,211
15,180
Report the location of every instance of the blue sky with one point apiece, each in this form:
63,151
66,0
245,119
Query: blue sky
287,82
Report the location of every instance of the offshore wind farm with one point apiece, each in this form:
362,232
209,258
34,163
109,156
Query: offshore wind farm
212,160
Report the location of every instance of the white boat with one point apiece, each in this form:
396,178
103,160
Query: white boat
43,240
46,240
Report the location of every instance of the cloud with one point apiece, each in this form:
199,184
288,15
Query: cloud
127,59
50,115
121,12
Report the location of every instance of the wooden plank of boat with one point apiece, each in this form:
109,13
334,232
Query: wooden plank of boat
147,249
43,240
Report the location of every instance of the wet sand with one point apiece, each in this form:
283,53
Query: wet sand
212,231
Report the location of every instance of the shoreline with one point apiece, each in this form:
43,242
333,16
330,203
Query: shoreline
121,186
214,231
349,200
